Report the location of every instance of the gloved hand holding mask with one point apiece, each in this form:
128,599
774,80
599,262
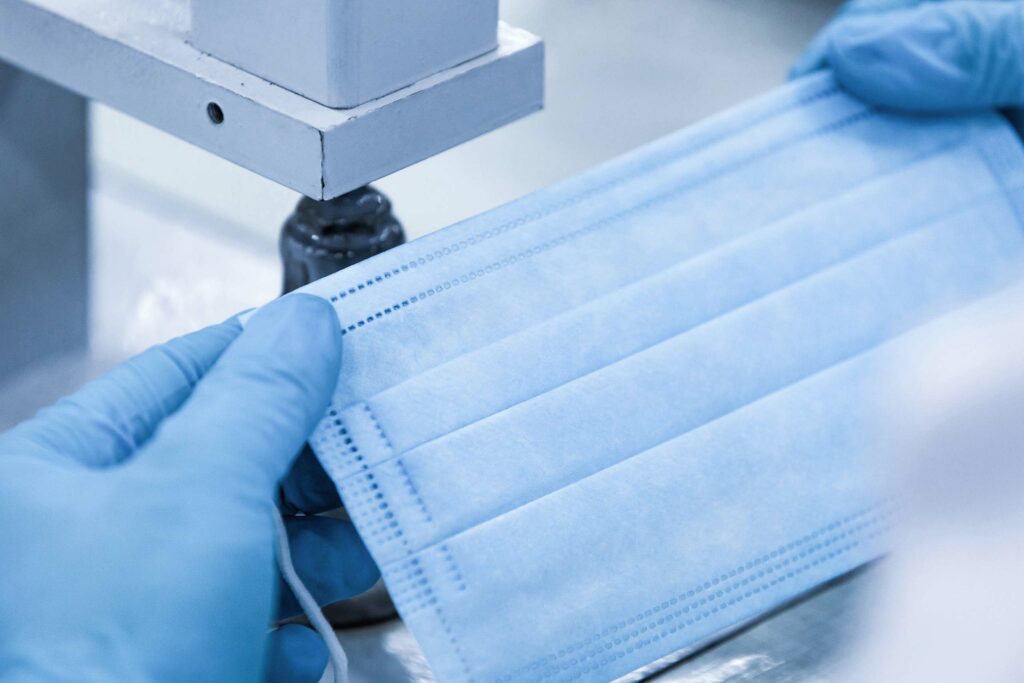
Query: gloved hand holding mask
137,516
925,55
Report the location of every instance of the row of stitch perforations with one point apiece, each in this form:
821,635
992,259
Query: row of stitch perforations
657,161
408,580
411,491
387,518
411,589
358,478
410,586
366,499
779,573
368,506
714,589
607,221
332,442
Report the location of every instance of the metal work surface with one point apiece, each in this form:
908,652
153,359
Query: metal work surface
134,56
803,643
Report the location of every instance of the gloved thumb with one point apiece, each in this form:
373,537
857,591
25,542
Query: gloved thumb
249,416
952,56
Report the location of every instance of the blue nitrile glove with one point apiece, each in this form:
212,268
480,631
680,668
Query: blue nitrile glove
137,516
925,55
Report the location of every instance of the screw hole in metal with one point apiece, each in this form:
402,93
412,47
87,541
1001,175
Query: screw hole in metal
215,113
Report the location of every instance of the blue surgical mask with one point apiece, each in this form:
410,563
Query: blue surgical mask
609,421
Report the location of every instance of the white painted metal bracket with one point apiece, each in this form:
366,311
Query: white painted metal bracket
134,56
344,53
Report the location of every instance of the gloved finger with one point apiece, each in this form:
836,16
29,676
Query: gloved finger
247,420
331,560
938,57
307,488
815,55
296,654
108,419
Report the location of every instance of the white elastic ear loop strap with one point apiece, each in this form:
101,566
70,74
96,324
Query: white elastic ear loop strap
339,662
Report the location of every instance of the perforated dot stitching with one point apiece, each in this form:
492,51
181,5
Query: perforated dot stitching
876,518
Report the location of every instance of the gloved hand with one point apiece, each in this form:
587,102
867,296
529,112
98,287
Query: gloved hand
137,516
925,55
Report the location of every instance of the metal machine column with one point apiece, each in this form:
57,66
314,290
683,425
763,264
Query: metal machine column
43,218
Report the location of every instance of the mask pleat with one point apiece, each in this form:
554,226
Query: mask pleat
603,248
736,273
551,440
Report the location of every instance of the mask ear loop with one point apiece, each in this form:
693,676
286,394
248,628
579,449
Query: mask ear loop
339,662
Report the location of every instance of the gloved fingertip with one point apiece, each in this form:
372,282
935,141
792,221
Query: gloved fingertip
803,68
296,655
869,63
936,57
298,329
812,59
213,339
295,306
863,30
247,420
858,42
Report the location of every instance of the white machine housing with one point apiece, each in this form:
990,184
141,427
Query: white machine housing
136,56
343,53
